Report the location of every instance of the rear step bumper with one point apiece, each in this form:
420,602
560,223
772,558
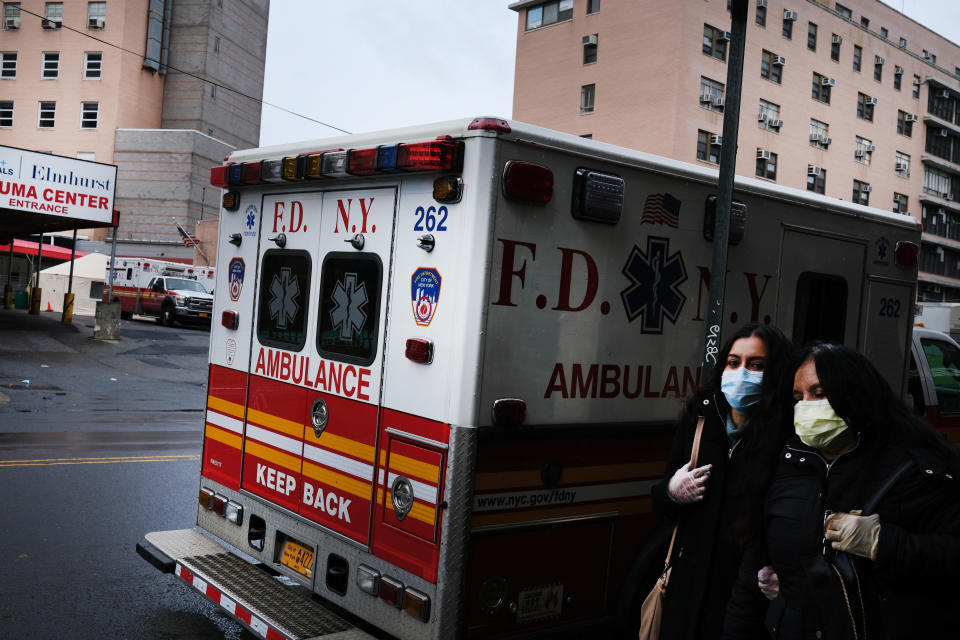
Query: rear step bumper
260,603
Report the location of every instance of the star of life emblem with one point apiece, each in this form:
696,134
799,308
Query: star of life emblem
350,299
283,298
654,280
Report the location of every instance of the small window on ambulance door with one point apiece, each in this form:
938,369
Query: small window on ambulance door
820,308
284,298
349,307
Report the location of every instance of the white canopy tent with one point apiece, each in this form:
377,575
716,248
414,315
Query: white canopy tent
88,282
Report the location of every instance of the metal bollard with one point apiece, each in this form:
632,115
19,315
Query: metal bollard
67,316
36,294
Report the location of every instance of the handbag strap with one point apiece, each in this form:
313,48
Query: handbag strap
874,500
694,454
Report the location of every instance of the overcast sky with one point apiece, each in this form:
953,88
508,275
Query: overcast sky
364,65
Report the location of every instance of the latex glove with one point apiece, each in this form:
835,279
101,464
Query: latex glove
769,582
853,533
689,486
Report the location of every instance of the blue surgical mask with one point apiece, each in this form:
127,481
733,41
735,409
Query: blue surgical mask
741,387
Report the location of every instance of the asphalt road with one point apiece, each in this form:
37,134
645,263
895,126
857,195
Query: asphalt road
100,443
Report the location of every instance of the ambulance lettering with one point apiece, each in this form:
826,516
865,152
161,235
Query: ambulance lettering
294,222
331,504
276,480
347,380
602,380
756,287
345,211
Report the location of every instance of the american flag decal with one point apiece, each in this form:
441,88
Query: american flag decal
661,208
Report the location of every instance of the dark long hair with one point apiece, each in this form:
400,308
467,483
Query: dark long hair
768,427
860,395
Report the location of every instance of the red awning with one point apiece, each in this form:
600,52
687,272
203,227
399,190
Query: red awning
30,248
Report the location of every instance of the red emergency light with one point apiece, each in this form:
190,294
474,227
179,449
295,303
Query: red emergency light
419,350
907,253
230,319
527,182
442,154
218,175
489,124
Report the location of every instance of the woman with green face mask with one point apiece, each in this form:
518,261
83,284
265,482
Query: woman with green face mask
891,573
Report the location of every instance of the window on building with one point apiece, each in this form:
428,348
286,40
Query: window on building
54,12
711,94
811,36
11,15
844,11
816,179
548,13
904,124
762,13
593,6
821,87
8,65
715,42
6,113
771,66
769,116
47,115
835,41
857,57
51,65
865,106
89,112
884,33
96,15
216,44
864,22
902,166
819,134
903,43
900,203
916,87
766,164
936,182
92,65
897,76
587,96
706,149
863,150
787,27
861,192
878,69
929,57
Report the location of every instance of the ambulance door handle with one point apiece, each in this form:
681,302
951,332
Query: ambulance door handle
426,242
280,239
356,242
319,416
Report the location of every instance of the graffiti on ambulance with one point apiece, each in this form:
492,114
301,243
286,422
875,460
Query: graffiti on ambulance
348,380
654,280
607,380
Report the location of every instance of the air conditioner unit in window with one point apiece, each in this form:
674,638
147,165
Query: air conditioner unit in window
716,140
816,137
878,60
944,194
859,153
826,141
723,35
789,15
761,3
866,188
591,39
776,124
898,70
828,82
871,148
719,102
779,61
763,154
48,23
837,39
761,117
901,167
813,171
943,93
872,101
98,23
910,117
706,98
12,22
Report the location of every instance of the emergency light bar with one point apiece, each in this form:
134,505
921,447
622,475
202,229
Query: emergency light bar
442,154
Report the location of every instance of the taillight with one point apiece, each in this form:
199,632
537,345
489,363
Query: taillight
527,182
231,200
419,350
230,319
907,253
438,155
509,412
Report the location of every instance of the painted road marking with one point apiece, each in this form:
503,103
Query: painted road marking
47,462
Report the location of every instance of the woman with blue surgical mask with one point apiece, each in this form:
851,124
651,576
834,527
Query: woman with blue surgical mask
855,443
717,504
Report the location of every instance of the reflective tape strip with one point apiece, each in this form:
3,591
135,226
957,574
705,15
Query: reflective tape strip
338,462
225,421
225,406
358,488
418,511
343,445
272,455
564,495
276,423
274,439
227,438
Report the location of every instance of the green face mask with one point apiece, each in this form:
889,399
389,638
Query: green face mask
817,424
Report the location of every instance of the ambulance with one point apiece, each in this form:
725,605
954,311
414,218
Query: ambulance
446,363
169,291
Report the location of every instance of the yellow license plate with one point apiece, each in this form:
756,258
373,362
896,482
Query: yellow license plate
203,315
297,557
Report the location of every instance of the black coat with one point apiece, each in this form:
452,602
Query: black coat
910,591
706,554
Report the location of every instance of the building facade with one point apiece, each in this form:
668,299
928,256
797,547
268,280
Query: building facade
853,100
162,89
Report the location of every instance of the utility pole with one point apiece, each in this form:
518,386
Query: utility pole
728,163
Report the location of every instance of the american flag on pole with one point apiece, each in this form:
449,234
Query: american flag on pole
661,208
189,240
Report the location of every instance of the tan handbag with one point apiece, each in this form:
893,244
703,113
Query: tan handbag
651,611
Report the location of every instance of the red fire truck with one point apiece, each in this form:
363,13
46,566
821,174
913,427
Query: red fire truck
446,360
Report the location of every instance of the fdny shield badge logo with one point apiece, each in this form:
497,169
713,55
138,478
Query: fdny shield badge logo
425,294
235,271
